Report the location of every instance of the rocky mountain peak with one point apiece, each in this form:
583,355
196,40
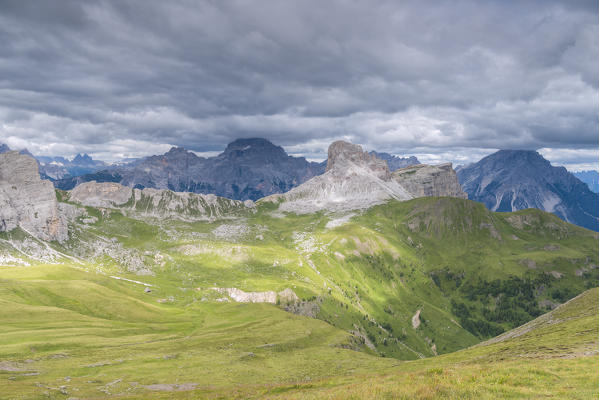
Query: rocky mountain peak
354,179
511,180
83,159
430,180
177,150
517,157
343,155
254,148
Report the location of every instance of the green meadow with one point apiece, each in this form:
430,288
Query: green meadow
399,301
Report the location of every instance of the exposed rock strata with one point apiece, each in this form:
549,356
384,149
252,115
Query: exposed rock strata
430,180
28,202
238,295
157,203
354,179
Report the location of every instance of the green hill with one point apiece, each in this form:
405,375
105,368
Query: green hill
553,356
400,281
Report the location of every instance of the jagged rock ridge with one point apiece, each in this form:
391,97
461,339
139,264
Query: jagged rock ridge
355,179
395,162
511,180
157,203
591,178
27,201
59,167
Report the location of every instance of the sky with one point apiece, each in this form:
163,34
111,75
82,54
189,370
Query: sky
443,80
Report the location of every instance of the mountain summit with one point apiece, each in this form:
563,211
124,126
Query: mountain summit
511,180
354,179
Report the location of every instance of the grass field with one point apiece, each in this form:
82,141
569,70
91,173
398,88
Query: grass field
68,333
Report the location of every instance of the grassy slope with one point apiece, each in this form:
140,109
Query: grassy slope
554,356
369,275
375,272
68,331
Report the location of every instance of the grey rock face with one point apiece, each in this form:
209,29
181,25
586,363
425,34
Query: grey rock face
28,202
342,155
247,169
158,203
510,180
430,180
105,194
354,179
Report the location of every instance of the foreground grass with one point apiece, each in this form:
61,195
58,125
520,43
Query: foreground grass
66,333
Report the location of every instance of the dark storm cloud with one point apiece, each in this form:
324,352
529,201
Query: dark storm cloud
436,78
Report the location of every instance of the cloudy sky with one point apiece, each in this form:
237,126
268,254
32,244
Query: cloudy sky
445,80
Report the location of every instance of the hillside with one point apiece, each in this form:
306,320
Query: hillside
149,281
401,280
553,356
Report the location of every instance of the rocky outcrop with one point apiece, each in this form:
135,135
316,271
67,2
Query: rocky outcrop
342,155
28,202
104,194
157,203
430,180
238,295
354,179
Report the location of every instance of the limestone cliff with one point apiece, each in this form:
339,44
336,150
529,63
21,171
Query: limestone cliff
28,202
354,179
157,203
430,180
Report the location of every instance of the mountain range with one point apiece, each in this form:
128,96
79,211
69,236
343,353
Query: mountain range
55,168
251,169
151,293
395,162
511,180
591,178
247,169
